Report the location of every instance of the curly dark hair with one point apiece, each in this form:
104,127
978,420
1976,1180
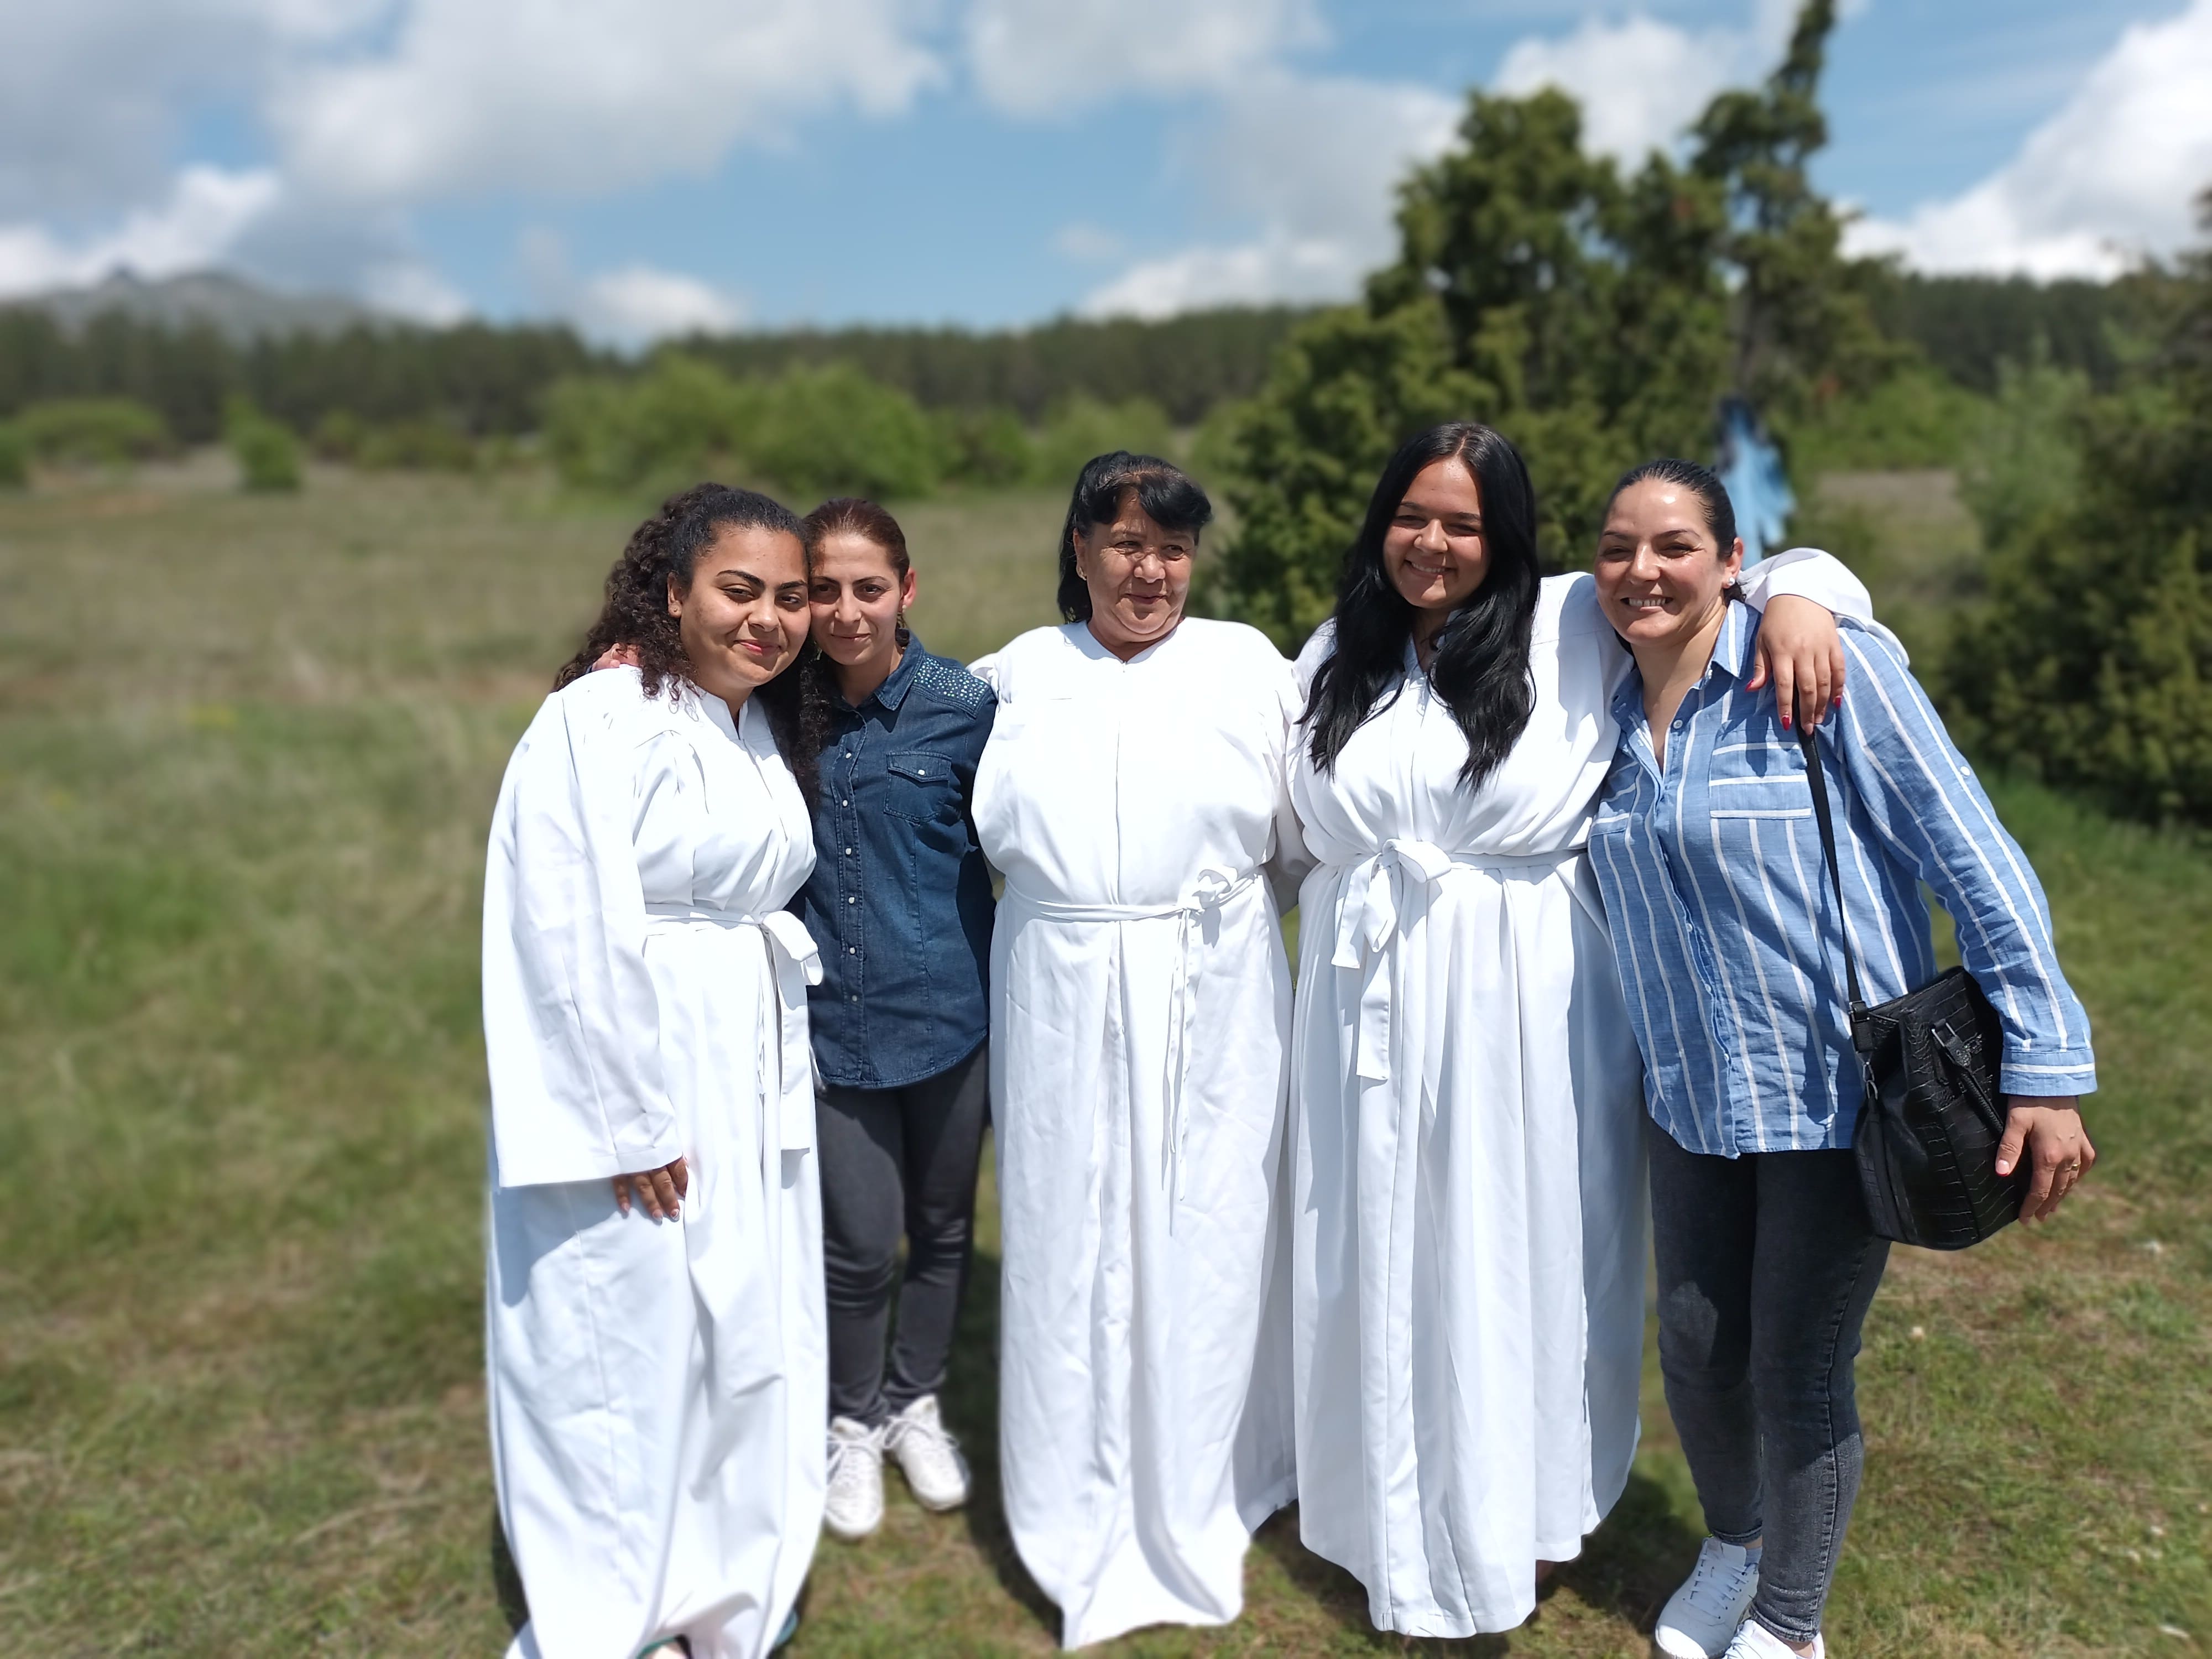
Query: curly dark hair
664,548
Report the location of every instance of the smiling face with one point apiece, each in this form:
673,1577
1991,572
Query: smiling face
1433,551
1139,575
855,595
1662,576
744,615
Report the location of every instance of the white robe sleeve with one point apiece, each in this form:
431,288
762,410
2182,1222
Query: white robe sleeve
1289,862
571,1019
1806,573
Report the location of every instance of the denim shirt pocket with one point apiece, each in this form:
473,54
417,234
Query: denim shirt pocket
923,787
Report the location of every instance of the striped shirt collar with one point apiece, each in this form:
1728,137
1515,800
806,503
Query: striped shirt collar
1732,654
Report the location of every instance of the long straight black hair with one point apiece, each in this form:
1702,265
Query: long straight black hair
1480,669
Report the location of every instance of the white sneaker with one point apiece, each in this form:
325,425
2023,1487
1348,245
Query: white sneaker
1701,1617
1755,1641
928,1457
854,1506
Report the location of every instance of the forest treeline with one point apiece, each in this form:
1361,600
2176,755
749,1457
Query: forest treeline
482,382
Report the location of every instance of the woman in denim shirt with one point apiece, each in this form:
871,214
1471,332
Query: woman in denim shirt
900,906
1730,948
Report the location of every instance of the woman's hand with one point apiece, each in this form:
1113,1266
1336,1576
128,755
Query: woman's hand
662,1191
2049,1129
1801,650
625,656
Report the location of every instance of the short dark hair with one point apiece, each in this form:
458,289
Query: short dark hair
1169,496
1712,494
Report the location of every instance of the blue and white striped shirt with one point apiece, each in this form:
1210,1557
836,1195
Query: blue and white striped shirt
1724,923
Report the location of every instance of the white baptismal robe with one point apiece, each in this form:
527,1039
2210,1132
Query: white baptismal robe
656,1388
1468,1188
1140,1017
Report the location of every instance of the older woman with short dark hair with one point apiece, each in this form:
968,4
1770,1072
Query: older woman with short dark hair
1131,792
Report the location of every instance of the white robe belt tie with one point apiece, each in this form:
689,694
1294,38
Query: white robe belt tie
797,963
1384,894
1211,890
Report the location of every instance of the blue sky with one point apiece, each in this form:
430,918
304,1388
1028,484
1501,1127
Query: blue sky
642,165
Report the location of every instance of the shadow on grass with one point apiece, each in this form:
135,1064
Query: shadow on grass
971,1407
1628,1568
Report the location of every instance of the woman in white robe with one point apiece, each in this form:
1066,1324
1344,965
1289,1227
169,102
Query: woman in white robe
1468,1178
657,1369
1131,794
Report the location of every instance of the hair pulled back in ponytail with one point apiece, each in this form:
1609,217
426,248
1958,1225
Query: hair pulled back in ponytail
665,550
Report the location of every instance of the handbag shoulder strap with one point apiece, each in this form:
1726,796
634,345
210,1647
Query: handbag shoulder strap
1862,1028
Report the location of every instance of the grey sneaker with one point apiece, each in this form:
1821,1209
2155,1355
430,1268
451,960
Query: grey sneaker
855,1505
1702,1617
928,1457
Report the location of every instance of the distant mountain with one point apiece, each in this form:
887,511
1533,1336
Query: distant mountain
239,310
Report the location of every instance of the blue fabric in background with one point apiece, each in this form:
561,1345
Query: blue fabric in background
1751,470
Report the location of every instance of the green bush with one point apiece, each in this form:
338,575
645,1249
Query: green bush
14,457
94,431
833,431
985,446
665,427
2090,660
1917,417
418,446
268,454
339,435
1080,428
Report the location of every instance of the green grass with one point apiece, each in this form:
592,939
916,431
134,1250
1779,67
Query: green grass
248,752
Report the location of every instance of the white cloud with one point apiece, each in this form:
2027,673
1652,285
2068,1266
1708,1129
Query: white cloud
468,96
408,287
1041,58
208,212
630,306
1639,81
2110,177
1088,244
1313,161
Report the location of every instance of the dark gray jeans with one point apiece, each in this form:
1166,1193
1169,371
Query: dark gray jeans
1766,1269
893,1160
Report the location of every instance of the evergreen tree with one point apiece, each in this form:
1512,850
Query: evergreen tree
1594,319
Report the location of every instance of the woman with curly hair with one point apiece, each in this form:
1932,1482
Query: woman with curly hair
654,1314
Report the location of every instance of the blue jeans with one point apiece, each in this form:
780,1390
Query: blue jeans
1766,1269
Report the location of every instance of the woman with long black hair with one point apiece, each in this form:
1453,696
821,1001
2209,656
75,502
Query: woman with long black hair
1468,1199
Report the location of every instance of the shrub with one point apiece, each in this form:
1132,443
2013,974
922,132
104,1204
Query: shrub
667,425
986,447
833,431
2091,660
14,457
1082,427
268,454
418,447
94,431
1917,417
339,435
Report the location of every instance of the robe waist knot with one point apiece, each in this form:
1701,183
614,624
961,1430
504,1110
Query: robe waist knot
1208,895
1387,893
795,962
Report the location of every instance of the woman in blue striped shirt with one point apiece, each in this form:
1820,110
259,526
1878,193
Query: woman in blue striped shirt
1707,851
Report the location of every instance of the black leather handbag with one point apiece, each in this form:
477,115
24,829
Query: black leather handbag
1928,1127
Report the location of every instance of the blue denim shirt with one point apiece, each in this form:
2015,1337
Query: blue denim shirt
900,900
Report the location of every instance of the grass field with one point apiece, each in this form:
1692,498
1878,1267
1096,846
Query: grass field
248,752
